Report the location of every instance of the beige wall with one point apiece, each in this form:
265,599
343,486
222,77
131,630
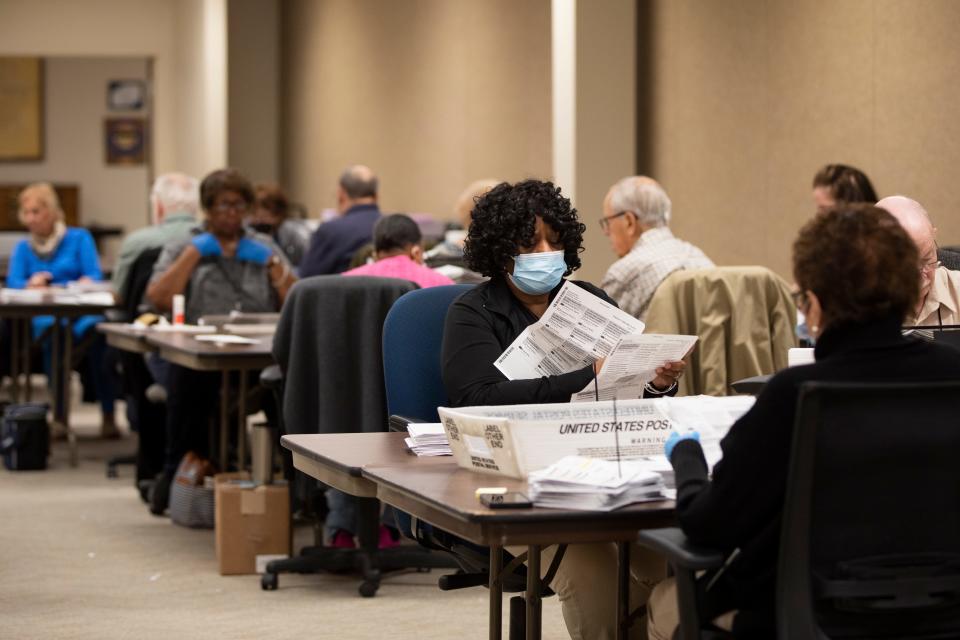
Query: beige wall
253,68
432,94
186,40
76,104
742,102
606,117
103,28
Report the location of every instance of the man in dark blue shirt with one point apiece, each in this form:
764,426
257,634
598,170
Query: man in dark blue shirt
334,243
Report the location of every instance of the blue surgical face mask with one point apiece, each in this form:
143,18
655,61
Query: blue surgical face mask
538,273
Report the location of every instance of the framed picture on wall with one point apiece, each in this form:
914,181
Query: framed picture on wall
21,109
125,140
126,95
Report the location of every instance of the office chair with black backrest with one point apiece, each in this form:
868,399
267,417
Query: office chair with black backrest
147,418
328,347
412,340
949,257
870,539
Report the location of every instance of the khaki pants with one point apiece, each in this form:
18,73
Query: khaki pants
663,615
586,584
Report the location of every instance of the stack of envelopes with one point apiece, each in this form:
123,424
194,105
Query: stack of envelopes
576,482
428,439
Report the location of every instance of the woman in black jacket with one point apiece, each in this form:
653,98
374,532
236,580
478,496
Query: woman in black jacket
526,238
857,274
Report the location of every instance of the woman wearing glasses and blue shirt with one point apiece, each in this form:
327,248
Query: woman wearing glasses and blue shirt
222,267
527,238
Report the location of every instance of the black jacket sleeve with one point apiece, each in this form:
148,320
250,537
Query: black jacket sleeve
748,484
470,348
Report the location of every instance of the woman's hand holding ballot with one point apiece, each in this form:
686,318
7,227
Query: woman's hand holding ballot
668,375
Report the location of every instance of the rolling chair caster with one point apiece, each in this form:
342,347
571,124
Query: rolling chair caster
268,581
368,588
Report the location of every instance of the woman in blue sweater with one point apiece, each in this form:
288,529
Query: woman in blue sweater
55,255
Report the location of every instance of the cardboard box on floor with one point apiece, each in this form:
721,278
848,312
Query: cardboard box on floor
250,521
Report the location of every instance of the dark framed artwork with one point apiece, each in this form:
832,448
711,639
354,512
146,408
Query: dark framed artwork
125,140
21,109
126,95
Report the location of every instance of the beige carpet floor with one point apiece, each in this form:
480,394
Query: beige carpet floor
81,557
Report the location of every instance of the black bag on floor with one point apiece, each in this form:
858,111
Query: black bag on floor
25,436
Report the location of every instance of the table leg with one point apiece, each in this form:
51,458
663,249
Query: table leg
55,375
368,532
15,358
25,349
533,592
65,409
495,585
224,418
623,590
242,423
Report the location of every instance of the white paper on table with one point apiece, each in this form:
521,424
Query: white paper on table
224,338
23,296
248,329
182,328
633,362
577,328
426,429
98,298
90,287
711,416
594,473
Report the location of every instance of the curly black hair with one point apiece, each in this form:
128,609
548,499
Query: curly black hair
504,220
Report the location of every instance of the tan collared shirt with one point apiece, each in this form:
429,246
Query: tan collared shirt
942,305
633,279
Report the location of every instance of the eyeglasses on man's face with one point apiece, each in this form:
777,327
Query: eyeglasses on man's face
927,268
605,222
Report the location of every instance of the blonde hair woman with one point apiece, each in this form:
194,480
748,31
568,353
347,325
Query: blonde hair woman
55,254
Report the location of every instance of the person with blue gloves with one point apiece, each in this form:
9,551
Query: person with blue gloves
675,438
856,271
222,267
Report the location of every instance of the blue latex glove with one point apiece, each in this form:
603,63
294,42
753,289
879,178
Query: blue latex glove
675,438
207,245
252,251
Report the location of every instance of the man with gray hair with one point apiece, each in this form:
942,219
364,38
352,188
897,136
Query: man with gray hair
636,212
939,301
334,243
174,203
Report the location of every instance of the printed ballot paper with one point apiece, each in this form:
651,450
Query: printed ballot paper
579,328
634,361
513,440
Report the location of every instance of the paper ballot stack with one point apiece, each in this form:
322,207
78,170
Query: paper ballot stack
592,484
428,439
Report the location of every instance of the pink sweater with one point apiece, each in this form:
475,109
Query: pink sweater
404,268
